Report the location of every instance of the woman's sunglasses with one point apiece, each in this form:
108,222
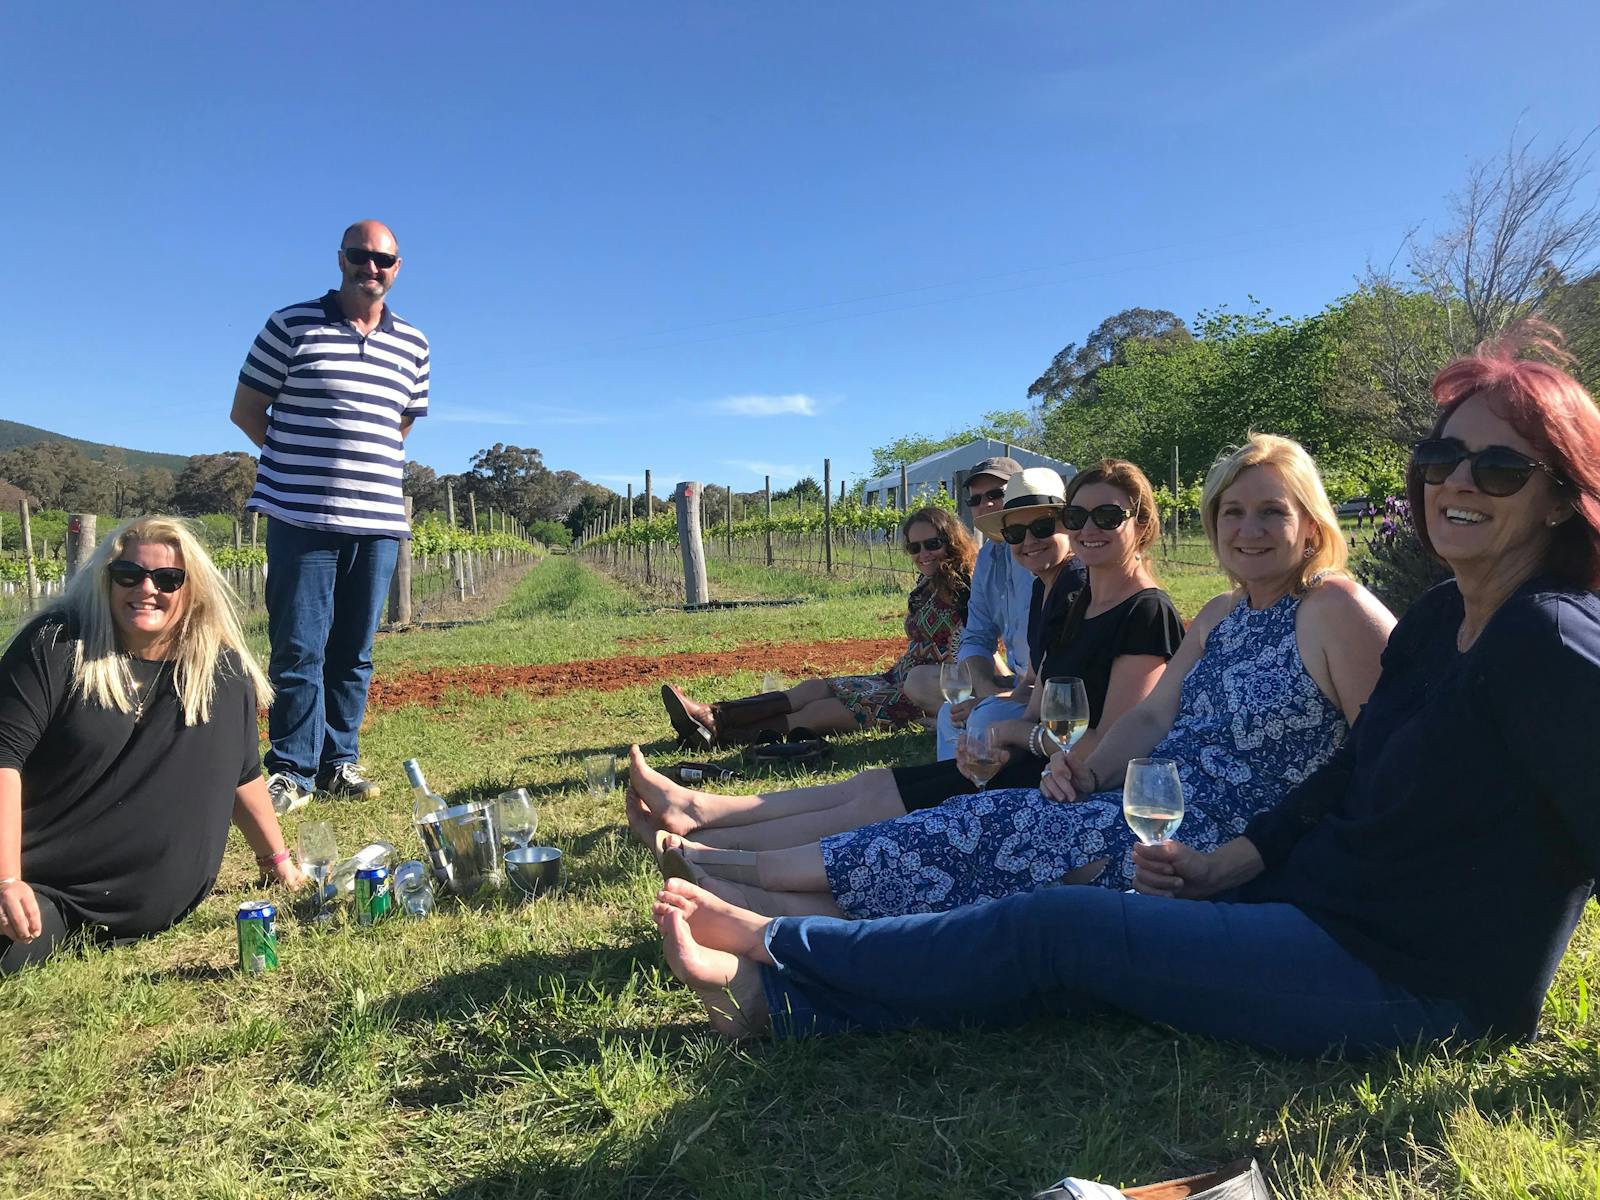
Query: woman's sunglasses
1040,527
928,544
1496,470
130,575
357,257
1105,516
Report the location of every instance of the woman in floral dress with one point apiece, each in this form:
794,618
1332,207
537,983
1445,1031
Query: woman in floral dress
943,551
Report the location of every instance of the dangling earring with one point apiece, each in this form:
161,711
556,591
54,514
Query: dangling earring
1310,550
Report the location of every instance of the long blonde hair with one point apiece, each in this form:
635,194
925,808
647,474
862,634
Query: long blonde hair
1305,486
207,625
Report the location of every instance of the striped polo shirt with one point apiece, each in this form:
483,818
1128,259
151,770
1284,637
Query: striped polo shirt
333,458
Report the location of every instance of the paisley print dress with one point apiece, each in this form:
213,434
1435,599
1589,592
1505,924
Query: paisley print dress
933,634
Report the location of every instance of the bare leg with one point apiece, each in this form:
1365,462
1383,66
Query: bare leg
771,904
728,986
679,809
922,688
795,869
877,800
825,716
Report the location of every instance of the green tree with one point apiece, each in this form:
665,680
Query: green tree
1014,426
215,483
1071,375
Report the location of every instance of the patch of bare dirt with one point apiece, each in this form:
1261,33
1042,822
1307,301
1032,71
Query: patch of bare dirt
792,660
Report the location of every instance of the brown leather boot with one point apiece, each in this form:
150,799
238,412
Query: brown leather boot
692,722
735,722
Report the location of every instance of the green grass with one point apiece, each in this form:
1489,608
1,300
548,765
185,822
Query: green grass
544,1051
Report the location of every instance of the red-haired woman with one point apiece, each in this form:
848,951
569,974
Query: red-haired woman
1422,885
937,611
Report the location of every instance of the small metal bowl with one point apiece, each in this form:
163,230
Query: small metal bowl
534,870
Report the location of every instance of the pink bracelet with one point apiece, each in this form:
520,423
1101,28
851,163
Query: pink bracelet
272,860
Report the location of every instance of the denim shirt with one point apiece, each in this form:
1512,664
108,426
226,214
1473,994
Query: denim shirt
1001,591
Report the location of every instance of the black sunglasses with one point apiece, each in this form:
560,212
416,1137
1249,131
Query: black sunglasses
357,257
934,543
130,575
1105,516
1040,527
978,498
1496,470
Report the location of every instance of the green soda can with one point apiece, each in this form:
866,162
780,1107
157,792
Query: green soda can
257,924
374,896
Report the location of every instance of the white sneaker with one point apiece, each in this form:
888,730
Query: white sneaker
287,794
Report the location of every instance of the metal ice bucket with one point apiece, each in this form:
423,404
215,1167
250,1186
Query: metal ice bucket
534,870
464,846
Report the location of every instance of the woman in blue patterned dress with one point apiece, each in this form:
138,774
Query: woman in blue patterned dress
1259,694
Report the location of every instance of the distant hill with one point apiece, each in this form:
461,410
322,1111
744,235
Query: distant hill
14,434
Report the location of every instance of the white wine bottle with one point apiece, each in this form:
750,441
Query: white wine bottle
424,805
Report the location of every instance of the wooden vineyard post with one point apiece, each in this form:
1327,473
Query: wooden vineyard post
80,541
27,552
473,565
649,511
629,533
963,510
767,492
728,512
695,589
400,585
453,557
827,513
905,500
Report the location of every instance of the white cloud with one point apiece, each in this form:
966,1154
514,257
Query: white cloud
757,467
454,414
797,405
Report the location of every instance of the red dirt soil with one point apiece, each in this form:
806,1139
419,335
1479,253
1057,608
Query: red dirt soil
793,661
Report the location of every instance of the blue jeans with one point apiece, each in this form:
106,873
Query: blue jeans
1265,974
984,714
325,592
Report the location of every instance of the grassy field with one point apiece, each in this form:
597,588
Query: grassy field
544,1051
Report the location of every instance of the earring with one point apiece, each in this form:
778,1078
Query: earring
1310,550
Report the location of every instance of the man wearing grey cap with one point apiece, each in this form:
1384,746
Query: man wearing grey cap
998,609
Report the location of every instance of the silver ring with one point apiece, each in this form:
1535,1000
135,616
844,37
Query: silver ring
1046,773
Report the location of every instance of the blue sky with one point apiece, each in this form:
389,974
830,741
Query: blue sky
718,240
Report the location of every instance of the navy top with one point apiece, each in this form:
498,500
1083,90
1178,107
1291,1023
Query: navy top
1453,839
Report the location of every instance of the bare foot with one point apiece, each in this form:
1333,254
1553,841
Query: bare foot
641,821
729,986
672,806
714,921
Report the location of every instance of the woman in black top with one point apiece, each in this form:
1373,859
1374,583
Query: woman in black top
1423,884
128,739
1123,631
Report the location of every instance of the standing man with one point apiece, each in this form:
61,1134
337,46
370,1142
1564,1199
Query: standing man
328,393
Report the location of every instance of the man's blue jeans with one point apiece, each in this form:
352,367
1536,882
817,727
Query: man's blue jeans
325,593
1265,974
984,714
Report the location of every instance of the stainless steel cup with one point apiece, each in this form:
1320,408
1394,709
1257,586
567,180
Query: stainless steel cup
534,870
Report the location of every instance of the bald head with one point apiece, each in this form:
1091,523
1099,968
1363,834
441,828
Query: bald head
361,232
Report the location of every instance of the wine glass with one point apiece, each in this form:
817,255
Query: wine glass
1152,799
318,853
600,773
1064,709
980,757
518,818
771,682
954,681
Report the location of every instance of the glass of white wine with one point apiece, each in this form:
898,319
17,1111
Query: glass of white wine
1064,709
980,756
519,819
1152,799
954,681
318,853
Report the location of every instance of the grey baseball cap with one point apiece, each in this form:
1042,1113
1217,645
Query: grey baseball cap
1000,468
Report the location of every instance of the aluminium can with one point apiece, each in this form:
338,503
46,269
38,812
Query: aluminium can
257,924
374,896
